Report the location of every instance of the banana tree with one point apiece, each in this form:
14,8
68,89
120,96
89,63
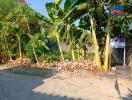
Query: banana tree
89,7
17,32
26,18
76,38
23,19
4,31
107,47
112,21
59,17
69,34
34,44
5,7
53,12
12,30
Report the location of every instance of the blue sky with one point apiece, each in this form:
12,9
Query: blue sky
39,6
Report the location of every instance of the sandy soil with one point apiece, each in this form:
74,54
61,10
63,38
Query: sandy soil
63,87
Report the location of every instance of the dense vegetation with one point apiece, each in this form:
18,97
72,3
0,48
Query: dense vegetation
25,33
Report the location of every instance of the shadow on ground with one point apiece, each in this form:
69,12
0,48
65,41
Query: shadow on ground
117,88
17,87
129,96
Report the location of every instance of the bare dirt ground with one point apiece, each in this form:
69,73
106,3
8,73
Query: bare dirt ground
63,87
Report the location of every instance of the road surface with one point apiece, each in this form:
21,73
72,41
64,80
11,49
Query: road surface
18,87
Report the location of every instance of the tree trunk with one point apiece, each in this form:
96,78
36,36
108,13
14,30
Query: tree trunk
107,51
72,51
107,45
130,64
78,53
6,43
73,55
59,45
95,42
19,45
83,53
35,55
28,27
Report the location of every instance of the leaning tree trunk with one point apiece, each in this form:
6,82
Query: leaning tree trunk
35,55
59,45
7,46
107,45
95,42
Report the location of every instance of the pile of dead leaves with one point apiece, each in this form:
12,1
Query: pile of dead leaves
83,66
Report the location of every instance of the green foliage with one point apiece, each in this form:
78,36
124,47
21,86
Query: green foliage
53,10
5,7
68,5
39,45
28,30
17,25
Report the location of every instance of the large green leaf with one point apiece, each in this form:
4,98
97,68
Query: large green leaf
75,11
43,18
69,4
44,45
54,11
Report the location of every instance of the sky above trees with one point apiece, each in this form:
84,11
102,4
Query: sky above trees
39,5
